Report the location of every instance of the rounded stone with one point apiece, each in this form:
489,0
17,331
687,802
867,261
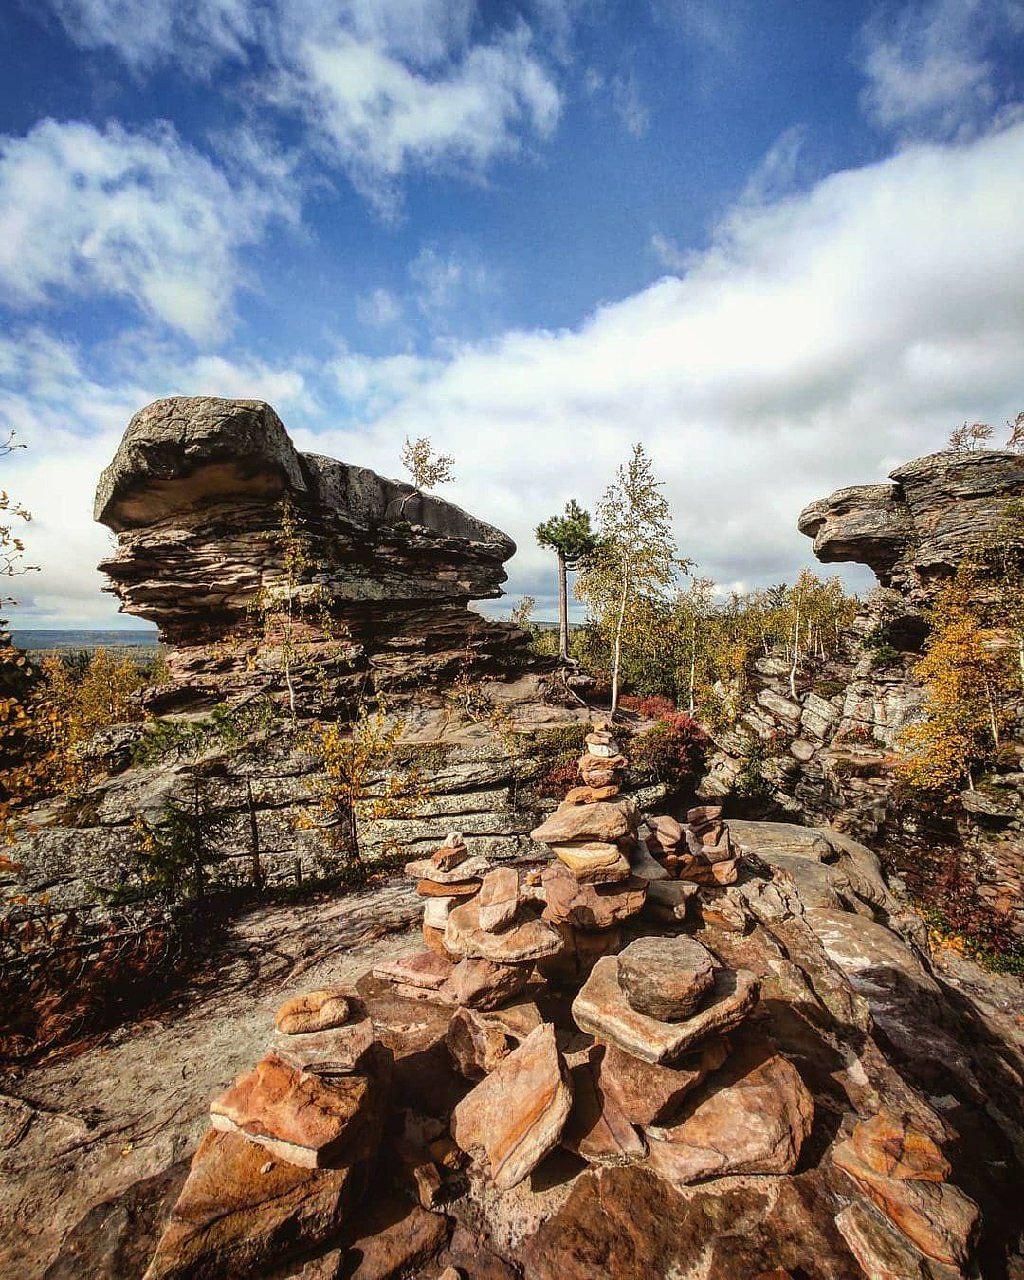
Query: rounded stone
666,978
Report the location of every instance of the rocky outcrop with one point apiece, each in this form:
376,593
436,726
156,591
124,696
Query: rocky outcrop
265,566
915,532
859,1117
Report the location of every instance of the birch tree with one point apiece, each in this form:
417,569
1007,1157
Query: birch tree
634,558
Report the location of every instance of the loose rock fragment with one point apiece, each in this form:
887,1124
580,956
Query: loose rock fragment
498,900
666,978
515,1116
314,1011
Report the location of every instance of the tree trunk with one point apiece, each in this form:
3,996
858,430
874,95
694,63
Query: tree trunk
693,661
563,610
796,651
617,647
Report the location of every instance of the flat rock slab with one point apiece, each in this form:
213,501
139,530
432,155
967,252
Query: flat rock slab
649,1094
499,898
589,906
603,821
424,969
453,889
593,862
426,869
602,1009
241,1212
515,1116
336,1052
936,1216
756,1123
526,938
666,978
314,1011
295,1115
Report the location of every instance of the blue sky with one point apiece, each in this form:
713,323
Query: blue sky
782,245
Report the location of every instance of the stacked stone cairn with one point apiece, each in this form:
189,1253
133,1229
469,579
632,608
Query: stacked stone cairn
562,1021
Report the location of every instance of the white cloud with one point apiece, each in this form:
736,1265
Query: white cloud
628,105
442,279
930,67
378,309
145,32
822,338
383,86
378,117
138,215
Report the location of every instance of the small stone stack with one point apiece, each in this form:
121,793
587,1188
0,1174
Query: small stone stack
449,876
482,932
590,888
657,1013
701,852
301,1128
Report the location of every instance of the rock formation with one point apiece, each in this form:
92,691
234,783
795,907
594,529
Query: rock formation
824,755
915,532
227,535
734,1089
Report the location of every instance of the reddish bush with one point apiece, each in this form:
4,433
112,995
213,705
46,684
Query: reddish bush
653,707
673,750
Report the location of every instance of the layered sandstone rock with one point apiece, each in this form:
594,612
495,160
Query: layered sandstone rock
915,532
216,511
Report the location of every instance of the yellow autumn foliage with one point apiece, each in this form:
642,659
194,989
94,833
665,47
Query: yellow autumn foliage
966,676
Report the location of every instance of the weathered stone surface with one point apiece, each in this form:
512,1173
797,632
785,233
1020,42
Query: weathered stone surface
935,513
936,1216
590,906
526,938
484,984
597,1129
699,871
468,869
592,862
754,1121
297,1116
893,1145
498,901
241,1210
457,889
884,1253
627,1221
335,1052
649,1094
478,1040
580,951
666,828
605,822
314,1011
602,1009
589,795
669,900
447,856
515,1116
396,1239
666,978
